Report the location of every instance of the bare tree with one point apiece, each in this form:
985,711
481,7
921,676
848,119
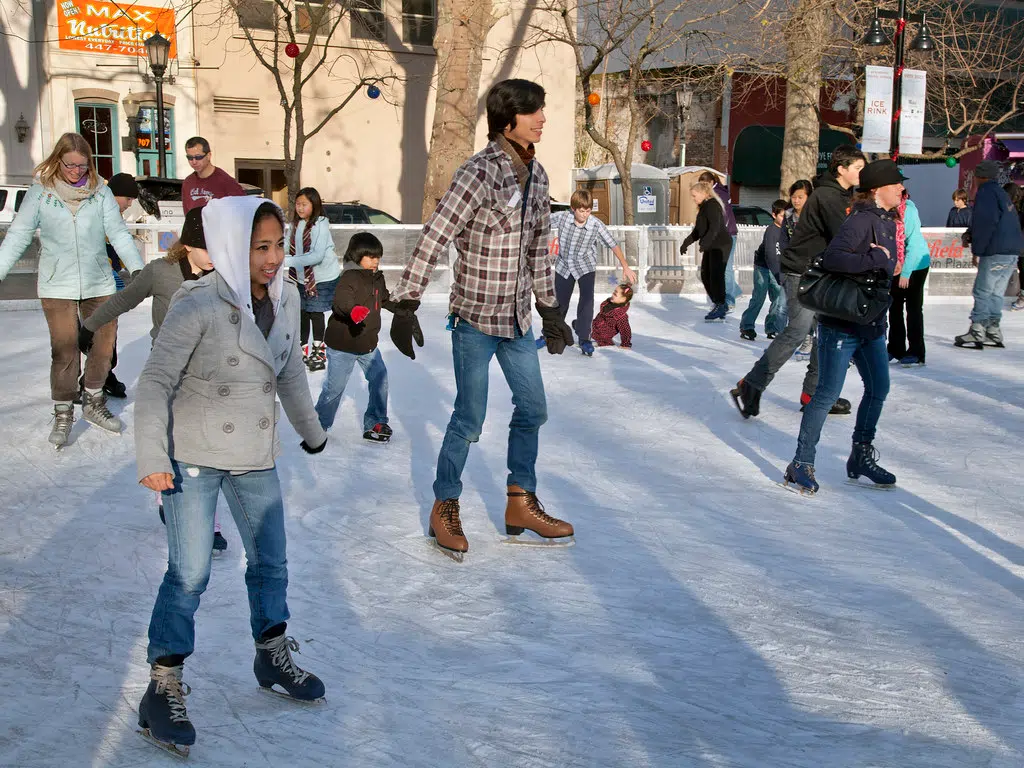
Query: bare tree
635,40
311,28
462,27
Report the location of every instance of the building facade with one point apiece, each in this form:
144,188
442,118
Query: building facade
81,65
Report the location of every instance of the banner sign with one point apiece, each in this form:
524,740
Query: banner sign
877,109
912,112
946,249
97,26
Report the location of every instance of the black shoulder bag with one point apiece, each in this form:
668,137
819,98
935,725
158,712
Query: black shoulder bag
859,299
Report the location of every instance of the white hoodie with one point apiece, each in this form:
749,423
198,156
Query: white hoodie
227,226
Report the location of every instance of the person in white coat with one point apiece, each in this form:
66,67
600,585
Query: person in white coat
314,264
75,213
206,423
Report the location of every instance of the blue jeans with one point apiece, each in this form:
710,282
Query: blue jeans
732,286
990,285
584,307
765,284
835,349
254,499
339,368
471,353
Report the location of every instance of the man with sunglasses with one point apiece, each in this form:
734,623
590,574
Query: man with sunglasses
206,181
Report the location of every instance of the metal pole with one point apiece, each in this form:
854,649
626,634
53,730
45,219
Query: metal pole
161,161
897,81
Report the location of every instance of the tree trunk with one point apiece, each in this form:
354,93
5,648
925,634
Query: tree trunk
805,36
462,27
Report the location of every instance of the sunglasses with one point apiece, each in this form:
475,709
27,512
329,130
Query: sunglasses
196,158
75,166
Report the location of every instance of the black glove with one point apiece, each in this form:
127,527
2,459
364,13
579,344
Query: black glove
84,339
557,334
405,327
305,446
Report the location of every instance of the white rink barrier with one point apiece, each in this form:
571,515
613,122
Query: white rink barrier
653,251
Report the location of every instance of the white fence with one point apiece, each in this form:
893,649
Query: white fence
654,252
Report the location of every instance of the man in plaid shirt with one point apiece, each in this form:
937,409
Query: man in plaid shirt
578,236
497,214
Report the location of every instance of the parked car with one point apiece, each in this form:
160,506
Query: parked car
355,212
10,201
752,214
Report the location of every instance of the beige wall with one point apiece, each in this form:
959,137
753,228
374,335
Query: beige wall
374,150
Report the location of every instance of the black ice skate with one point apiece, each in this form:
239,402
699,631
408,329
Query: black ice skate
799,478
162,717
220,544
747,399
380,433
274,666
862,462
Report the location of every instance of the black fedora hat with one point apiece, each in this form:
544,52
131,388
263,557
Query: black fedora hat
880,173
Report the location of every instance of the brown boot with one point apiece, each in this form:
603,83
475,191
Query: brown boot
525,512
446,527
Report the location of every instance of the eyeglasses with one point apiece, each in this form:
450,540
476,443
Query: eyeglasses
83,167
196,158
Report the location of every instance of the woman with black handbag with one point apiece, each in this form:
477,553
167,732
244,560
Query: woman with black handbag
848,288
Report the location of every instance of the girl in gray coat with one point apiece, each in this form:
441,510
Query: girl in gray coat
206,422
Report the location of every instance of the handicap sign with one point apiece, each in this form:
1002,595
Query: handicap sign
648,191
165,240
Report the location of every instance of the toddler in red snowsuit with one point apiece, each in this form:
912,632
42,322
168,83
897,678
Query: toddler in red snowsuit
614,319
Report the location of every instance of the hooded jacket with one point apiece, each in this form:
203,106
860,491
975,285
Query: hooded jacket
357,287
995,225
820,220
207,393
73,261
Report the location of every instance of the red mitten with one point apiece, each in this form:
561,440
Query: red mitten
358,314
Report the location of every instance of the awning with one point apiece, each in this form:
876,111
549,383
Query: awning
757,155
1015,146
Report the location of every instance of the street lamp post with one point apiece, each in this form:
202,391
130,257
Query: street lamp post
131,111
158,49
922,42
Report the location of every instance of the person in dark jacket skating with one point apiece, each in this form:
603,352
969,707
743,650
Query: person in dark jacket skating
767,276
711,235
732,286
819,222
995,238
865,243
960,214
352,334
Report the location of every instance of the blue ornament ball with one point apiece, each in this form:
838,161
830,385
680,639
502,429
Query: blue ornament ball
373,91
859,145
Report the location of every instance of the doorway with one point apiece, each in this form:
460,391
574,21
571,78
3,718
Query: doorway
268,175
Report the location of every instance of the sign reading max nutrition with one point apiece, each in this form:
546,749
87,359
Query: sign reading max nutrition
102,27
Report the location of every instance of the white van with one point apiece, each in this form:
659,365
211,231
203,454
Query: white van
10,202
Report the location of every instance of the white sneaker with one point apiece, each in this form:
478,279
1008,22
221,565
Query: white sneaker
1018,304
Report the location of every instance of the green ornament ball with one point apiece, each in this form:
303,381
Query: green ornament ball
951,162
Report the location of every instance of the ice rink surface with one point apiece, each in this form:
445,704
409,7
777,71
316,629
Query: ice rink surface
706,617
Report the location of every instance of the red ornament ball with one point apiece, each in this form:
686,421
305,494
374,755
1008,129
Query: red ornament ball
645,145
594,99
292,50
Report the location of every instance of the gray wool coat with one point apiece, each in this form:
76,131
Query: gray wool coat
207,394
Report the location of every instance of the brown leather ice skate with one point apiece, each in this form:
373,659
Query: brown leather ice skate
445,526
525,512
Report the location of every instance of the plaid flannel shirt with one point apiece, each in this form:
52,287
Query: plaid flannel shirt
577,246
502,249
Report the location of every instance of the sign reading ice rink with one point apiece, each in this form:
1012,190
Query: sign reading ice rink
96,26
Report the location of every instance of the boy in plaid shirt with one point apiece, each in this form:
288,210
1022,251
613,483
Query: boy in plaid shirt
578,237
496,213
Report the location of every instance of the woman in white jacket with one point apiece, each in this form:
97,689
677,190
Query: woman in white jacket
75,214
312,256
206,423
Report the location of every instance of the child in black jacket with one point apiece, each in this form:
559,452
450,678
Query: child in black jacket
352,334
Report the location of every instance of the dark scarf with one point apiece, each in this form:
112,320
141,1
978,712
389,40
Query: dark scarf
186,271
309,279
521,158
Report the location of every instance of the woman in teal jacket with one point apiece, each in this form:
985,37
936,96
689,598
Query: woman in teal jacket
75,214
906,342
315,263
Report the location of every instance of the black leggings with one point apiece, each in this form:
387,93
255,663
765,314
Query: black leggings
712,274
314,320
